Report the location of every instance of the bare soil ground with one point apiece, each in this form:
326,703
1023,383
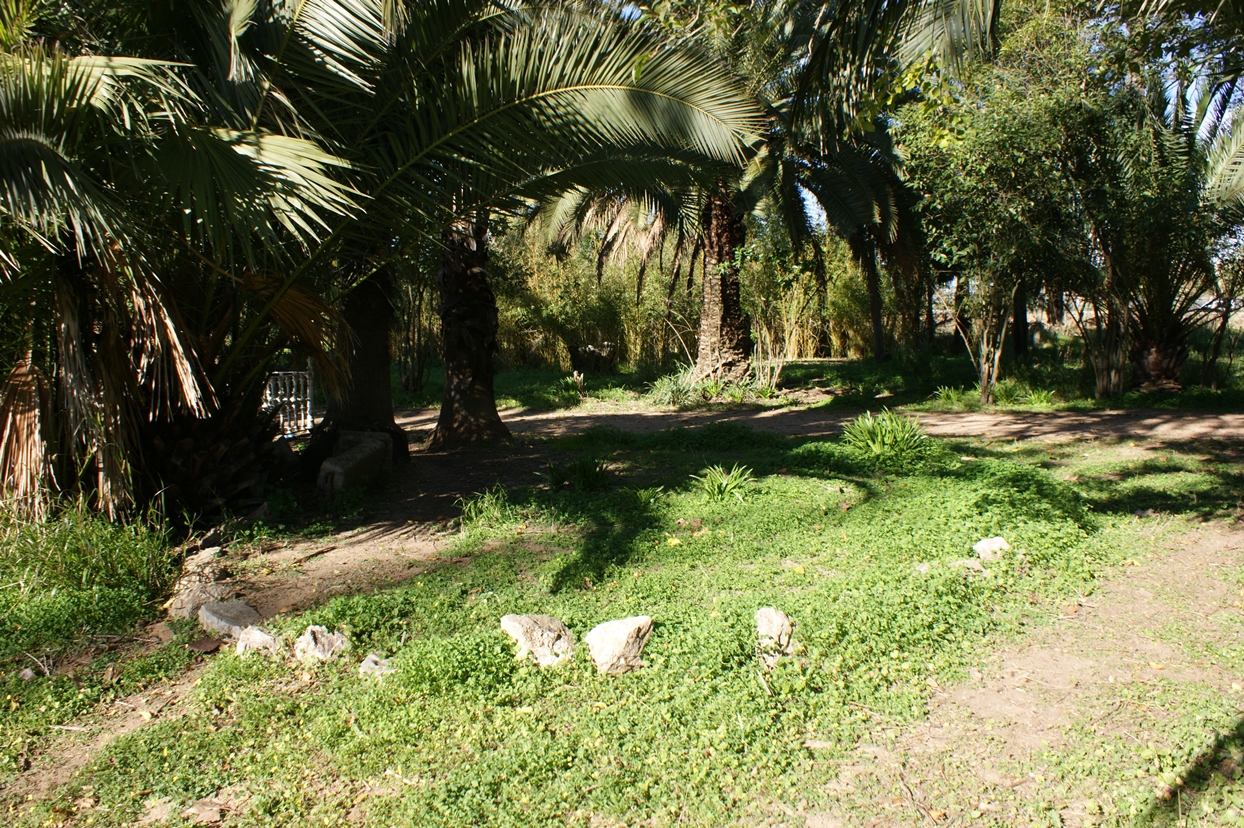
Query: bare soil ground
1091,688
825,421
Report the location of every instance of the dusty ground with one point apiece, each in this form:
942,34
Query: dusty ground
999,747
820,422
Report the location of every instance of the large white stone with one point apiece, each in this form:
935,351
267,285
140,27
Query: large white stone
374,665
545,638
253,639
774,635
616,645
318,644
991,549
229,618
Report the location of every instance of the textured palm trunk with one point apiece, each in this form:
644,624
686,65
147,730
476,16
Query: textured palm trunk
368,403
725,343
1159,365
469,338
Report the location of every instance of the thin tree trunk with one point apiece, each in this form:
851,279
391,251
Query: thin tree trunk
368,404
469,337
1019,324
725,343
868,261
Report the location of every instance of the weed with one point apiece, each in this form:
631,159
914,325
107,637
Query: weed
587,474
888,441
675,390
642,498
1039,398
487,509
1008,392
718,484
76,572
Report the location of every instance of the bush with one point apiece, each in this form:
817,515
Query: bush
887,441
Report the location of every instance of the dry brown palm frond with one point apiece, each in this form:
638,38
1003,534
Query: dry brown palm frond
25,462
164,363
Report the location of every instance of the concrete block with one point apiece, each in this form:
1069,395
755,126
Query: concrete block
356,466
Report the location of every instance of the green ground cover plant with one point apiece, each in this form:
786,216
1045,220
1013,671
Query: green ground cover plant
464,734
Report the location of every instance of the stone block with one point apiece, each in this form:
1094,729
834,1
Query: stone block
545,638
356,466
228,618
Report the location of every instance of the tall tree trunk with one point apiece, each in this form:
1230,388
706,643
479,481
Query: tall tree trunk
866,255
725,345
930,319
368,404
469,338
1019,323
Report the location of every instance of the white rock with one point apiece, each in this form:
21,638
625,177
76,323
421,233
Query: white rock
318,644
774,631
616,645
374,665
228,617
189,597
991,549
254,639
543,637
923,568
968,563
27,674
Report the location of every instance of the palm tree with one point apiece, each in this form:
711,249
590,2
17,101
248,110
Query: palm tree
106,158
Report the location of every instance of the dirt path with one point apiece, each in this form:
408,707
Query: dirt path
1059,723
820,422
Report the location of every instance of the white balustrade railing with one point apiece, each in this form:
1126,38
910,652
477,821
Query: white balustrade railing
291,393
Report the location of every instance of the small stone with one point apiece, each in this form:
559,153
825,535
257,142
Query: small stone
203,812
204,645
162,632
545,638
774,631
318,644
376,666
228,617
991,549
924,568
27,675
254,639
616,645
190,598
968,563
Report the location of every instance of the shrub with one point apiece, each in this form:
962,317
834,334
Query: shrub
887,440
717,484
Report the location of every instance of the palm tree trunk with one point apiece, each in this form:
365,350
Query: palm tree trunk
469,336
725,345
865,253
368,404
1159,365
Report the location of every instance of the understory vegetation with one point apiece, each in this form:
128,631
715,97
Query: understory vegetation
697,528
